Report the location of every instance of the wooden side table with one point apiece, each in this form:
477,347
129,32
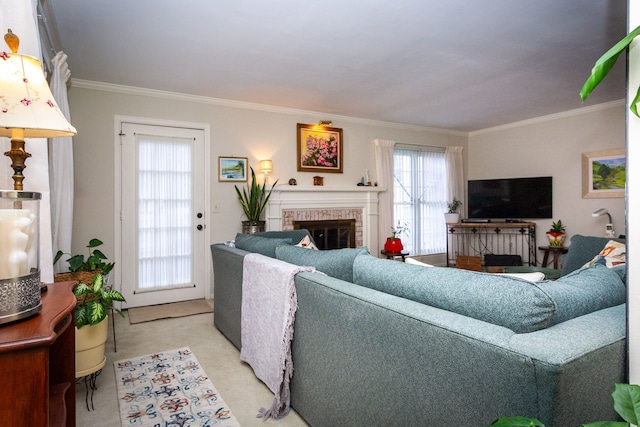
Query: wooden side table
393,255
37,364
557,251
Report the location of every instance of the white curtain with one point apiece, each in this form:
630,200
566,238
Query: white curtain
21,17
164,211
61,164
455,173
384,171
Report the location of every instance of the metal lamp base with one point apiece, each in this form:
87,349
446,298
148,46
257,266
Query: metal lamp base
19,298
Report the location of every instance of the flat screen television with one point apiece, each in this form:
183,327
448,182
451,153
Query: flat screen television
510,198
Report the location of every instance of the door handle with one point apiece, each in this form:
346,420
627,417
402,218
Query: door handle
200,227
199,215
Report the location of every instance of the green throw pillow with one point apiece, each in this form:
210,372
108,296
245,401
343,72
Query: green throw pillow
336,263
259,244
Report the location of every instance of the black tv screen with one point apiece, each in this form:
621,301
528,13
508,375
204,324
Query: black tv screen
511,198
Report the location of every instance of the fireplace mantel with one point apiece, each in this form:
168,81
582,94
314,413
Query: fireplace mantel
327,199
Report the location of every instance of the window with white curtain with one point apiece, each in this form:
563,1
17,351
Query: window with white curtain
420,198
164,211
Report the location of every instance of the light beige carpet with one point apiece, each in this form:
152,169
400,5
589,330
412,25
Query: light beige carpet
165,311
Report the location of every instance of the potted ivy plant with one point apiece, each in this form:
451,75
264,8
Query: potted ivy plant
83,269
556,234
91,322
254,199
452,215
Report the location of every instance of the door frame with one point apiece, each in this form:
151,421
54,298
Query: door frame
117,193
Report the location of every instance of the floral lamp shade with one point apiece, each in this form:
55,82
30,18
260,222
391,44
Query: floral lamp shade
27,106
26,102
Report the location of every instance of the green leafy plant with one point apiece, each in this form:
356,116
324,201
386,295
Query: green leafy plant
95,261
626,402
93,301
398,230
517,422
557,227
604,64
254,198
454,205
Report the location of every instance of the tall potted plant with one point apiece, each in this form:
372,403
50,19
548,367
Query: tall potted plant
254,199
92,327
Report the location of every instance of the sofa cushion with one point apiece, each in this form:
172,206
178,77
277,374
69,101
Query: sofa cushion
295,235
260,244
582,250
336,263
614,254
517,304
414,261
535,276
502,300
584,291
307,243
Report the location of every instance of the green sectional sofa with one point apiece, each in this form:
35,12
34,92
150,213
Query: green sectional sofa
385,343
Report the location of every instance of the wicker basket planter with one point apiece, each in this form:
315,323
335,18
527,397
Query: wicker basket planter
76,276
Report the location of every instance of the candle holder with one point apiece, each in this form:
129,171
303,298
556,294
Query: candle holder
19,255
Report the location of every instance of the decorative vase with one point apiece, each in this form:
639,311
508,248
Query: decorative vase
90,343
452,218
393,245
556,238
252,227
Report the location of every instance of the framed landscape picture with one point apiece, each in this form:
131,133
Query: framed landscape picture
232,169
604,174
319,149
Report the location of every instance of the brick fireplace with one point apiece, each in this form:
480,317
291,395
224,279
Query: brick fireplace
289,204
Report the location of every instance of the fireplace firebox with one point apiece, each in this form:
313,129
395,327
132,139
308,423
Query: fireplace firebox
330,233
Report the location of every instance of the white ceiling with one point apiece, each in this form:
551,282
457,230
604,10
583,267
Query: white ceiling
453,64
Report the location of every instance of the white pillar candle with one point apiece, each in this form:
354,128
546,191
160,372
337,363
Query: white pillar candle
15,242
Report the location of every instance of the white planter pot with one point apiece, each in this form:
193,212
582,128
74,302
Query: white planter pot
452,218
90,343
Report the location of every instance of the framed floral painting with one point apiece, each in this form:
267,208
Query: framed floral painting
604,174
319,149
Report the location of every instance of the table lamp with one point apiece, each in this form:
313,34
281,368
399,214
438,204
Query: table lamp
27,110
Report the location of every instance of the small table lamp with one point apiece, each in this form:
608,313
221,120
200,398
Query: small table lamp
27,110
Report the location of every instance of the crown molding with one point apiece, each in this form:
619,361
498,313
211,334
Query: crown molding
175,96
131,90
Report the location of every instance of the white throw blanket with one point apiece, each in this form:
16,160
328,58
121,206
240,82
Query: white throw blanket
269,304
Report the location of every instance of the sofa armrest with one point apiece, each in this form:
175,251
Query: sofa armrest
227,290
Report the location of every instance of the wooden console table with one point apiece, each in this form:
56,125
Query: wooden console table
37,364
498,238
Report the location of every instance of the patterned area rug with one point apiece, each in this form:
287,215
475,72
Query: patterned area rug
169,389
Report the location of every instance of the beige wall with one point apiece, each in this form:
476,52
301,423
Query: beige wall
249,131
553,146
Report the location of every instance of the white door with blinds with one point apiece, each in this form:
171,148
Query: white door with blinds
163,240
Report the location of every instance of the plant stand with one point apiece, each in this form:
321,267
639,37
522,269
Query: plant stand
89,383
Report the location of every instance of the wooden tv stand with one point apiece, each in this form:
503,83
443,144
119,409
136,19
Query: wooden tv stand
37,364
